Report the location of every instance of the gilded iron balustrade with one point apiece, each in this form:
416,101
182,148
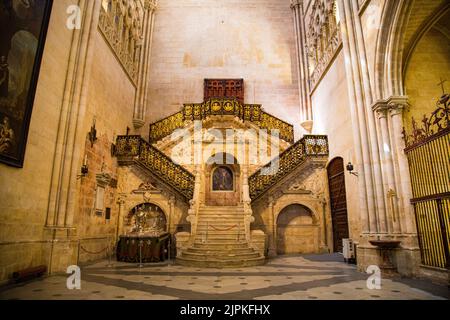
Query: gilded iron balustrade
437,124
427,150
218,107
137,149
310,146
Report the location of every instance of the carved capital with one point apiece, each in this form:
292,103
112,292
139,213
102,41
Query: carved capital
151,5
397,105
296,4
121,199
380,108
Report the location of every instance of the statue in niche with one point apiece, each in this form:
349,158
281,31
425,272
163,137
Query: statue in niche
147,220
223,179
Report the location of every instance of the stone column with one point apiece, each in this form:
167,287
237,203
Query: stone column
272,227
172,202
381,110
70,139
366,206
121,215
323,238
363,66
140,102
403,178
302,60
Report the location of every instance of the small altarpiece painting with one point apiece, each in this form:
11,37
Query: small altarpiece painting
23,26
222,179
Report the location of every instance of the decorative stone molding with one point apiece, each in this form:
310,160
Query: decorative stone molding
121,23
397,105
380,108
323,38
103,179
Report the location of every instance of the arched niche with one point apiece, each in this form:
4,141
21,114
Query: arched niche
222,180
297,231
154,213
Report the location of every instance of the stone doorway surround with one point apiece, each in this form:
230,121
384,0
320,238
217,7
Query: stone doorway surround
230,197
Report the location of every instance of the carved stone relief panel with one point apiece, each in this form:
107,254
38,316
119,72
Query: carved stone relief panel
121,23
323,37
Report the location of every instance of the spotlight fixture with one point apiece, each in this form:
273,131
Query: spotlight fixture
93,134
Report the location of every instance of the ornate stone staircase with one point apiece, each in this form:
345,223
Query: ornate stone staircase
220,240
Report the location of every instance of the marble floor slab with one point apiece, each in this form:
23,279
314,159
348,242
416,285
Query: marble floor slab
283,278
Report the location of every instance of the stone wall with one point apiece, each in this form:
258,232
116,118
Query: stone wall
428,65
28,232
252,39
332,117
24,192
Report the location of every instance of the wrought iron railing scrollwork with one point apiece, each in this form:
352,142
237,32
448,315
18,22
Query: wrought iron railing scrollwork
310,146
137,149
222,106
437,124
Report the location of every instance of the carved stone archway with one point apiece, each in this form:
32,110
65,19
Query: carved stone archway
222,181
297,231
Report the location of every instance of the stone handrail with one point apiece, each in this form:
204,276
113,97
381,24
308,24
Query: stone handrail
246,112
310,146
137,149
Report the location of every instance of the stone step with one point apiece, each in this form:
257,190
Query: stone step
218,238
225,255
221,220
222,245
209,231
222,213
217,251
219,213
220,226
238,207
215,263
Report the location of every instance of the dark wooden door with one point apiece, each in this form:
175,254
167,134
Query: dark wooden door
338,202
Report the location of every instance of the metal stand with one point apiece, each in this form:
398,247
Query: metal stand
141,242
109,265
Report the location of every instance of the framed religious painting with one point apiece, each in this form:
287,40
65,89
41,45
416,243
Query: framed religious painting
23,25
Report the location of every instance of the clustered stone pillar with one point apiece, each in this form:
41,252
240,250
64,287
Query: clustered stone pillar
69,141
69,138
302,59
384,180
395,164
140,102
397,106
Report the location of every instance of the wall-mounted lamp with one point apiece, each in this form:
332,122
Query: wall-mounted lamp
351,168
113,146
93,134
84,169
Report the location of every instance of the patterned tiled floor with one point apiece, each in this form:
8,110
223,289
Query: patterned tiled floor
285,278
